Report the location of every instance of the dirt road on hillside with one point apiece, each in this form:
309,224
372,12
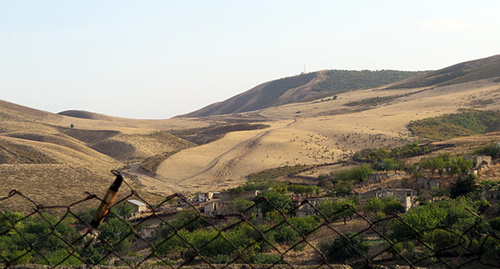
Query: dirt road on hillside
224,164
248,145
226,169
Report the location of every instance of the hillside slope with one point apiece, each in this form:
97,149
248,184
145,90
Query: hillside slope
459,73
44,158
301,88
320,132
56,158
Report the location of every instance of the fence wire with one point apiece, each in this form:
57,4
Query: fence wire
259,234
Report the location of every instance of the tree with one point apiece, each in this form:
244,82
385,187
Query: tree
342,248
432,164
439,192
392,206
277,200
492,150
449,213
336,210
460,166
240,205
374,205
464,186
118,233
389,164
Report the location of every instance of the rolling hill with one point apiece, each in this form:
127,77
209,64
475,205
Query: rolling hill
46,159
312,118
485,68
302,88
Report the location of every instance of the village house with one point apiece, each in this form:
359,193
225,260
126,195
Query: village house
309,208
205,196
480,163
212,209
249,195
379,177
428,183
139,207
406,197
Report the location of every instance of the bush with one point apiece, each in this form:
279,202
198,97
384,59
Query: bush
495,224
342,249
490,150
464,186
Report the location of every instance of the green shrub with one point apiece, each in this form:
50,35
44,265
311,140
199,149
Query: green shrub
342,249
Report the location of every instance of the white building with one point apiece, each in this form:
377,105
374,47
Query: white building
139,206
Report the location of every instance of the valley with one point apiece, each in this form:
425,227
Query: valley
330,165
312,132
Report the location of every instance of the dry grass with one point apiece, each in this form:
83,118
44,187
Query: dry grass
306,133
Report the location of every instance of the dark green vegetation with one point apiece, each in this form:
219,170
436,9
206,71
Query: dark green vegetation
459,73
53,239
492,150
264,180
465,123
274,173
206,135
453,165
251,242
274,89
378,155
344,248
339,81
374,101
341,183
450,231
449,228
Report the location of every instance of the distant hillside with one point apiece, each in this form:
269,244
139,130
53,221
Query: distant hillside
84,115
302,88
465,123
46,159
459,73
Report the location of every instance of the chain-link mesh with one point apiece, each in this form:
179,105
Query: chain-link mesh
178,232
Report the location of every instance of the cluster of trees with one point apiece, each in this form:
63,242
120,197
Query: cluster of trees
273,173
467,122
492,150
53,239
446,163
447,228
377,155
339,81
263,181
254,238
222,242
341,183
276,88
373,101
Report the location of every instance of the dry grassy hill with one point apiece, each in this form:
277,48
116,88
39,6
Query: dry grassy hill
44,158
57,157
302,88
319,132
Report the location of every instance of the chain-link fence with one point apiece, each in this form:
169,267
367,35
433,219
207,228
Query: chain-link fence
266,232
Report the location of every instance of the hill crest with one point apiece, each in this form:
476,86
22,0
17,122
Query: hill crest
302,88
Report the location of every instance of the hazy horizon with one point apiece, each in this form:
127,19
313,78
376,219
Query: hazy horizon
157,59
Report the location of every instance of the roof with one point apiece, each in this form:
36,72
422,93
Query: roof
136,202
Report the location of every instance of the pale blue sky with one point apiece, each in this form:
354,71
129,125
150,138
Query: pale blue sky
157,59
